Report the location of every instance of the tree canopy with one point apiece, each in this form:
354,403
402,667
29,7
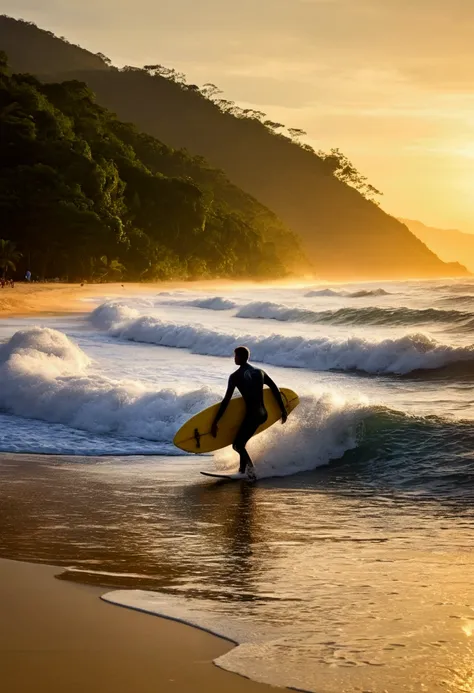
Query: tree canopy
86,196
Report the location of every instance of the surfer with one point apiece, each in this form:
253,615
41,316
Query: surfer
249,381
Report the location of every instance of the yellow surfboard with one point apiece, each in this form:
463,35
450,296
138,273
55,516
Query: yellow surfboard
195,436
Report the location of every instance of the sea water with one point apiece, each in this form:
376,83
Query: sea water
348,566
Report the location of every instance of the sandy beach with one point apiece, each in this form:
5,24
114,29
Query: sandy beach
59,636
28,299
25,299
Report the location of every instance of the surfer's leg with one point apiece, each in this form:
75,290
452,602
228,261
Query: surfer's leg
247,430
245,461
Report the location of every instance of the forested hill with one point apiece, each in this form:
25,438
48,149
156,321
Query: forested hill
32,49
344,234
86,196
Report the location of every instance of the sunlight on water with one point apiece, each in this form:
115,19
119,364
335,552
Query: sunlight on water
349,566
327,586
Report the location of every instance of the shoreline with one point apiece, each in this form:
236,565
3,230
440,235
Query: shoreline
55,298
60,635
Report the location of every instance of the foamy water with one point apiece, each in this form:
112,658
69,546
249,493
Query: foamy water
348,565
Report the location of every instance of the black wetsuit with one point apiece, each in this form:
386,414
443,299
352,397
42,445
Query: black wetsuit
249,381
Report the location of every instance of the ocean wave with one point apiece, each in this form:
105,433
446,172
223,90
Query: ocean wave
111,312
457,287
45,376
208,303
403,355
369,292
364,293
433,454
212,303
429,455
466,300
352,316
322,429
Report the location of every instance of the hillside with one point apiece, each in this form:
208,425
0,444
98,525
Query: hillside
450,245
344,234
86,196
27,46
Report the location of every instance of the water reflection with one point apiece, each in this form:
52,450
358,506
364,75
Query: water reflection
349,579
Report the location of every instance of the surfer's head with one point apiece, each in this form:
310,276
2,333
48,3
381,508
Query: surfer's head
241,355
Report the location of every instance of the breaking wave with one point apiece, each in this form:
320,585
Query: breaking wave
45,376
433,453
353,316
321,429
403,355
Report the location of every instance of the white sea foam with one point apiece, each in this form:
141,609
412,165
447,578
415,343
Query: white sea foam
110,313
400,355
45,376
184,611
321,429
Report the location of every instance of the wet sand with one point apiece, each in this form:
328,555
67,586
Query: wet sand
58,636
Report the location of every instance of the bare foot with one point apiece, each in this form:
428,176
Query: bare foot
251,474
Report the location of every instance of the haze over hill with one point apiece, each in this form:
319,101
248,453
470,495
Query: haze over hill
451,245
344,234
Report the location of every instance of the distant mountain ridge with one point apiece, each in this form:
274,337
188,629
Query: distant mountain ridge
344,235
451,245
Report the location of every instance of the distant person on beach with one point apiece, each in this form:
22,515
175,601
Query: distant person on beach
249,381
28,276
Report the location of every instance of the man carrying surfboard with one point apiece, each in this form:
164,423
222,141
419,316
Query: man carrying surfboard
249,381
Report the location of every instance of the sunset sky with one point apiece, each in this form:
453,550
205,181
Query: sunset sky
389,82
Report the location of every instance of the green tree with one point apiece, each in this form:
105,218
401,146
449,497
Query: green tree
344,170
110,268
85,195
9,256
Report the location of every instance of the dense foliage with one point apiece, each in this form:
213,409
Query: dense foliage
84,195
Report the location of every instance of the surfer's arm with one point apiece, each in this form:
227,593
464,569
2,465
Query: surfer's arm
224,404
277,395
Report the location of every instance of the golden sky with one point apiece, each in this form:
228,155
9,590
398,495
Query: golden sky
389,82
